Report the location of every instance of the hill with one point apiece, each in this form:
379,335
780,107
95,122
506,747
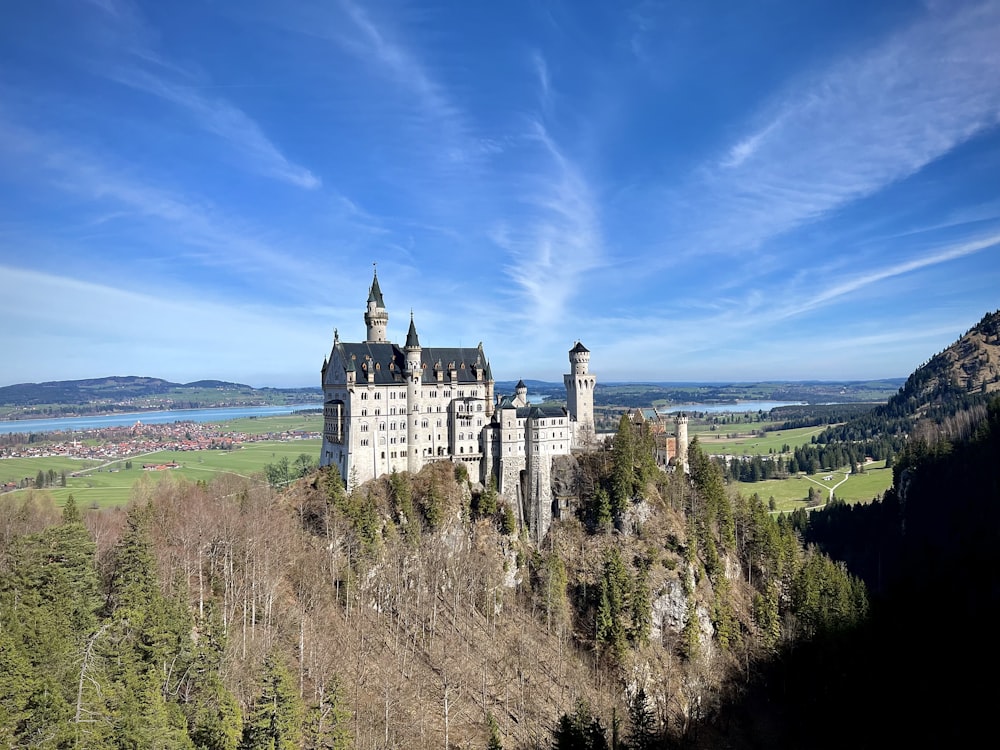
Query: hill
969,366
131,393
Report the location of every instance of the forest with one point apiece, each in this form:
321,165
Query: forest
662,610
405,612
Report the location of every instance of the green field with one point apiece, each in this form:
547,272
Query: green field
263,425
716,443
113,484
16,469
792,493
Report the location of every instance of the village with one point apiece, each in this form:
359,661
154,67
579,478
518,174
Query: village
109,444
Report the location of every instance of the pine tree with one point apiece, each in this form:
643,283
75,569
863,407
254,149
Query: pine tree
623,474
326,725
642,608
642,725
494,741
275,721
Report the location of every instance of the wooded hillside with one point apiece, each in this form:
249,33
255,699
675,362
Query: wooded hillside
398,614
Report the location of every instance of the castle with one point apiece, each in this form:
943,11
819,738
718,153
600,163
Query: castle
390,408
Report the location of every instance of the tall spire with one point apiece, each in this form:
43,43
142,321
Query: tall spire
376,316
412,342
375,293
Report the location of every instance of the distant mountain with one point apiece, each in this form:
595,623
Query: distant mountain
132,393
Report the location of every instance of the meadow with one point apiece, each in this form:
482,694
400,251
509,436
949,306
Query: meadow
112,485
748,444
264,425
793,493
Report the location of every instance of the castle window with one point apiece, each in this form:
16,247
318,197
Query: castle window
447,394
461,394
364,412
364,441
364,427
364,396
377,412
424,424
479,407
378,394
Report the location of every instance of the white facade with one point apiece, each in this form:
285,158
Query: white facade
390,408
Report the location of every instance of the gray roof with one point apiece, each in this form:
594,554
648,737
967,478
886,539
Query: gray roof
375,293
411,335
389,362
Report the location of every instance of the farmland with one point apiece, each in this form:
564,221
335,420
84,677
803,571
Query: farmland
793,492
112,484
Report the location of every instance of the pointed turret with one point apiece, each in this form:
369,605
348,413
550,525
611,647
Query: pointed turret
412,342
376,316
521,393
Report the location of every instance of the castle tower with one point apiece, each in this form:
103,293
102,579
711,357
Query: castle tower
414,374
681,422
376,316
580,393
521,393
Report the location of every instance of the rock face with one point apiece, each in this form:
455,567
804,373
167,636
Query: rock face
567,480
668,608
669,611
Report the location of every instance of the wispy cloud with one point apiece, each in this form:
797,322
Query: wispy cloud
849,131
140,66
560,241
824,297
200,231
221,118
375,44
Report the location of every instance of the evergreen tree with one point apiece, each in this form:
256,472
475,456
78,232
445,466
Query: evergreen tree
494,742
508,523
275,720
642,608
642,734
602,510
623,472
326,725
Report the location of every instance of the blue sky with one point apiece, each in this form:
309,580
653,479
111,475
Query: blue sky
714,191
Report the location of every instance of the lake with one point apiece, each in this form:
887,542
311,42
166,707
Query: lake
149,417
739,406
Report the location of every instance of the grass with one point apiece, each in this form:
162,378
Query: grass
264,425
718,444
793,493
113,485
16,469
